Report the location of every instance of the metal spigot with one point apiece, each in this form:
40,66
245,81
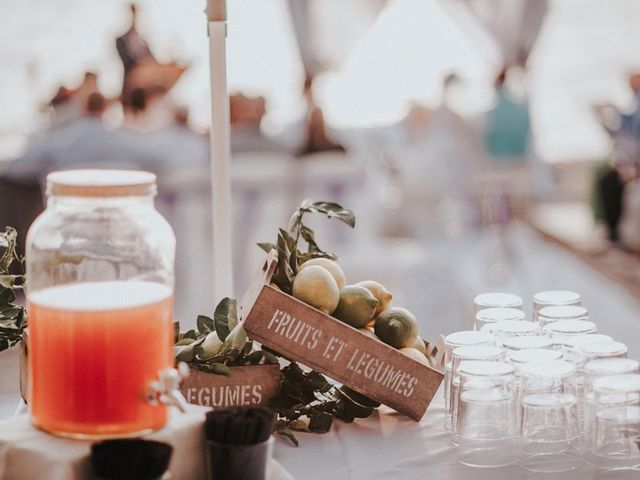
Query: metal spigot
166,390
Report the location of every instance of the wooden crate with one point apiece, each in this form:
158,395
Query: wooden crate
247,385
313,338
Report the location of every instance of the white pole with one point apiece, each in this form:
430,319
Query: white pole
220,151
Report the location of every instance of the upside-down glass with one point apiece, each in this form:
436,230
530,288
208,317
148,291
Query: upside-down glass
485,426
549,426
552,298
461,354
562,331
596,369
100,294
451,342
616,427
496,300
548,315
494,315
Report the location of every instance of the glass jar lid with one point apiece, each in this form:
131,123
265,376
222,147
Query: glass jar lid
555,368
492,315
617,383
477,352
556,297
534,355
497,299
469,337
482,368
565,312
612,366
527,341
101,183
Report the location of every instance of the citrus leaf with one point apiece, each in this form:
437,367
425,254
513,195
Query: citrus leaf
205,324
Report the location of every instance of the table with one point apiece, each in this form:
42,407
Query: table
440,289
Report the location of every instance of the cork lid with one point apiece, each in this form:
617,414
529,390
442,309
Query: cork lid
101,183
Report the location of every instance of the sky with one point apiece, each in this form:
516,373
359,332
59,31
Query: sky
582,57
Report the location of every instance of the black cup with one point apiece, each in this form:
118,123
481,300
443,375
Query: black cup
238,462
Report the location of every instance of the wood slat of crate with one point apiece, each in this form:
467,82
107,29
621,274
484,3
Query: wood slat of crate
367,365
247,385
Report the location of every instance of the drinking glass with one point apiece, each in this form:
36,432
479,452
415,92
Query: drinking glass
556,314
496,300
494,315
592,370
485,427
556,376
460,354
518,358
562,331
451,342
527,342
616,423
549,432
551,298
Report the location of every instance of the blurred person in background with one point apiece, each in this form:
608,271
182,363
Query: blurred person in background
150,109
86,142
317,139
246,115
617,192
133,50
68,105
508,129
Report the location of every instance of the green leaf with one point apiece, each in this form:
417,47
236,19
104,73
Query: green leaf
220,369
7,296
320,422
225,317
267,246
237,338
184,353
204,324
190,334
334,210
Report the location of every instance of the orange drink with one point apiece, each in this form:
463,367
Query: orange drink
93,350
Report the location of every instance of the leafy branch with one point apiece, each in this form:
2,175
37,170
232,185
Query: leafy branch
13,318
290,257
219,342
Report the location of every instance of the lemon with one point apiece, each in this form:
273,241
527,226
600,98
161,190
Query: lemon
368,332
379,291
420,345
415,354
315,286
356,306
397,327
333,268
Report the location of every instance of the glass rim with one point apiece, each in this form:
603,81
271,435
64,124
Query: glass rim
558,297
548,400
603,366
563,312
571,326
512,326
476,352
551,368
497,314
629,382
468,337
485,368
587,338
534,355
497,299
525,342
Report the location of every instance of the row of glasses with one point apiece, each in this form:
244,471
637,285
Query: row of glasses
559,388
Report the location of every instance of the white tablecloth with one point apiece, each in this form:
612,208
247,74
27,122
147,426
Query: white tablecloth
29,454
